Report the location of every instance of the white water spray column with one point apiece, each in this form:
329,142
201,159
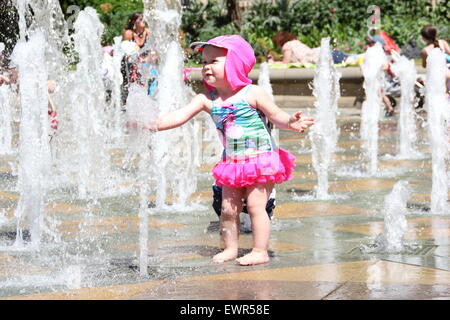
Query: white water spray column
6,107
34,148
405,69
438,111
324,134
176,149
22,7
89,132
372,105
395,223
395,211
264,82
142,108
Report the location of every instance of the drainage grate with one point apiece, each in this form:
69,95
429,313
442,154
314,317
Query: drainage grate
408,250
418,206
12,235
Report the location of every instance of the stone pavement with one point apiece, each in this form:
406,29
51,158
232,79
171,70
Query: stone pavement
318,248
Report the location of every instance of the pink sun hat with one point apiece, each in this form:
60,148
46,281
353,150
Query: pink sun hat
239,61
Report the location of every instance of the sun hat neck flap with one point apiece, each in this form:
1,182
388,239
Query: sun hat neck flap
240,58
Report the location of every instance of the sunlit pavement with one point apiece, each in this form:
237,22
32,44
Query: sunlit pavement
318,248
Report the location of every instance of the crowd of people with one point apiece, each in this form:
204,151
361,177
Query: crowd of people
296,52
140,64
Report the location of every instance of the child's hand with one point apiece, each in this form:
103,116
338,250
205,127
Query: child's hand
3,80
297,123
51,86
132,124
151,125
135,125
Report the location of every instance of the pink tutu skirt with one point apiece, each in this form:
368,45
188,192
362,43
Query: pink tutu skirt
273,166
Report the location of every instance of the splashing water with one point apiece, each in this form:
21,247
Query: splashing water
264,82
80,167
176,149
34,148
49,19
395,223
394,219
22,10
438,110
5,115
6,134
77,153
141,107
85,134
116,92
84,137
264,79
405,69
372,105
324,134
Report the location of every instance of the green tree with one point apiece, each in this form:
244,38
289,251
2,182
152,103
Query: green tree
9,28
114,14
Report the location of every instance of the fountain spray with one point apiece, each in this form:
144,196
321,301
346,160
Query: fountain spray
5,116
405,69
175,149
438,110
395,224
324,134
6,113
85,132
34,148
264,82
141,107
394,216
6,105
372,105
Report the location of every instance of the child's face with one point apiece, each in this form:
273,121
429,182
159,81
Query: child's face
153,55
213,71
140,22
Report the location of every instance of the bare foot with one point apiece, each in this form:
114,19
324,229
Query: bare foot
254,257
225,255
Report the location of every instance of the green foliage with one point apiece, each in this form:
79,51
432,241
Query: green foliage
346,22
203,21
9,31
114,14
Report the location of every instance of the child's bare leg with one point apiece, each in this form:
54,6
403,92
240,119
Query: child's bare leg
257,196
229,222
387,103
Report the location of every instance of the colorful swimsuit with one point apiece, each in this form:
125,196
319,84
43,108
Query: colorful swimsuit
250,156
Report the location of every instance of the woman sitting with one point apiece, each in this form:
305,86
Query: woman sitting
136,30
293,50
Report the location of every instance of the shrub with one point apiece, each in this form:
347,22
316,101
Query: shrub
346,22
114,14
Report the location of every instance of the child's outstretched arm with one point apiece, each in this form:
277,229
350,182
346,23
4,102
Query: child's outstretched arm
277,116
178,117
